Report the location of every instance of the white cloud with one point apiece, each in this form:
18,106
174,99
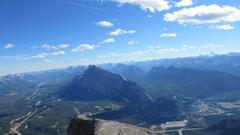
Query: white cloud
58,53
211,46
204,14
40,56
149,51
184,3
45,55
169,35
48,47
83,47
132,42
8,46
118,32
222,27
148,5
157,51
16,57
51,47
186,47
104,24
62,46
153,47
108,40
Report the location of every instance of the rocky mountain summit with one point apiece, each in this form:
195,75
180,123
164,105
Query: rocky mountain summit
85,126
98,84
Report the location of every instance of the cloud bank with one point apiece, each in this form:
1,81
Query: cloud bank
204,15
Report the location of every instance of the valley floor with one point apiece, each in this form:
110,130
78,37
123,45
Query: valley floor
37,111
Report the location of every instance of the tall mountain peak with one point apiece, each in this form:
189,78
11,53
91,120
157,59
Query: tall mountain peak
94,69
98,84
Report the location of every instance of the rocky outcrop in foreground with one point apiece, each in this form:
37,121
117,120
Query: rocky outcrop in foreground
86,126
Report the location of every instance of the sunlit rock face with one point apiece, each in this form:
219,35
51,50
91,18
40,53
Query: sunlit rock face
85,126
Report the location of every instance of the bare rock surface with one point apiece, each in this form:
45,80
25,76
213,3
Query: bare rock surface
84,126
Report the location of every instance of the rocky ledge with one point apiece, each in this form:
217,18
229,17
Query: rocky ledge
85,126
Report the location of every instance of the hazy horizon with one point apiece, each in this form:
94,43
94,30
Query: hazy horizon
123,62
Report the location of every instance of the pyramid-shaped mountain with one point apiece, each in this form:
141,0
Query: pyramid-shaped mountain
98,84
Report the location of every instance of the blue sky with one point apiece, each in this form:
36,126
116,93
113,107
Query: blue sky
46,34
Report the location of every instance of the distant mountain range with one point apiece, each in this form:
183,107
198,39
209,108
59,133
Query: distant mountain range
192,82
229,63
26,81
15,82
98,84
130,71
201,76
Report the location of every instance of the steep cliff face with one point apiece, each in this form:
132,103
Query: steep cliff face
85,126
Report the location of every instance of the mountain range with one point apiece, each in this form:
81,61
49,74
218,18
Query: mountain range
26,81
202,76
229,63
192,82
